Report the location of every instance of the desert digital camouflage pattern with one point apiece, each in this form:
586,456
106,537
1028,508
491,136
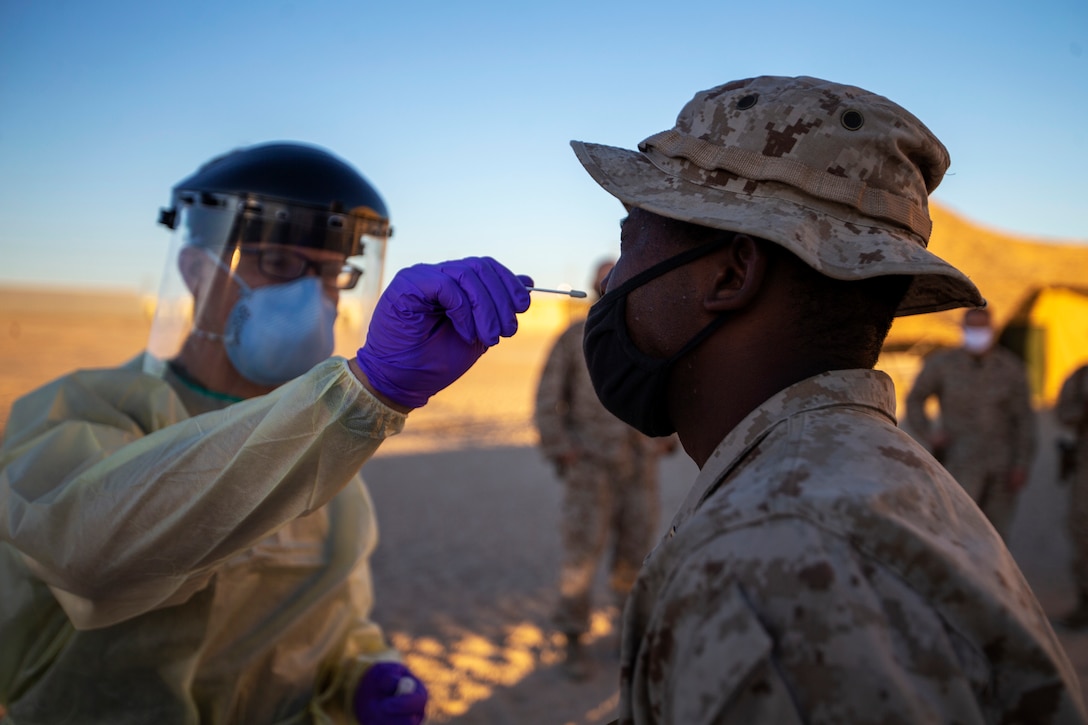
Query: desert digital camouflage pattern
986,412
610,492
836,174
1072,411
826,569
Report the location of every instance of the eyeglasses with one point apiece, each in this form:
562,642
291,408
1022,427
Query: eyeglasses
287,265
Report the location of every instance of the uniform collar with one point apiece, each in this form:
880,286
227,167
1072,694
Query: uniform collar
860,388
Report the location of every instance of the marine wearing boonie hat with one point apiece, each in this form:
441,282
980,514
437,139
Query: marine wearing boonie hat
835,174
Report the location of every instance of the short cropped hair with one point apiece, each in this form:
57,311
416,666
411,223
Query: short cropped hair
845,322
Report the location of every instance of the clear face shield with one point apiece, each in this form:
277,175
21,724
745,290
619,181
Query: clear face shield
278,286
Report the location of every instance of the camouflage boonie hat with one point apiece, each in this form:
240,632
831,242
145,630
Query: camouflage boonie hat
836,174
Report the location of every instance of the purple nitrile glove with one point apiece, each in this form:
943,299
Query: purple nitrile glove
434,321
389,694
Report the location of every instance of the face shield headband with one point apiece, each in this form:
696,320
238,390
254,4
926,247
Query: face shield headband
629,383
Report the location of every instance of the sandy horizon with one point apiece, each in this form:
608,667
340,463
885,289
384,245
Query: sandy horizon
48,332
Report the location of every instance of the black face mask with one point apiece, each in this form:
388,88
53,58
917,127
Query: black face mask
630,384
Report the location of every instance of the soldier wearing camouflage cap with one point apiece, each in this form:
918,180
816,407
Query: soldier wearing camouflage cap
824,567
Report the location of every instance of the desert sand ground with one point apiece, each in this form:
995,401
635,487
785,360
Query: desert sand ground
469,515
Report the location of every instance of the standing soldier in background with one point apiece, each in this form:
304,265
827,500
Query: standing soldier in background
611,485
986,434
1072,411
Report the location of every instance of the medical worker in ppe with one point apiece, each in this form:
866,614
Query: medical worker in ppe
185,538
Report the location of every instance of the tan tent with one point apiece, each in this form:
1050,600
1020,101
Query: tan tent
1037,291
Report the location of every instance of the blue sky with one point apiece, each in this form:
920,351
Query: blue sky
460,113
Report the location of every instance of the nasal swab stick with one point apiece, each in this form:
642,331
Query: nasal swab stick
569,292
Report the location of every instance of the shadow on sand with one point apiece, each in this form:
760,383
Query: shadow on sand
465,577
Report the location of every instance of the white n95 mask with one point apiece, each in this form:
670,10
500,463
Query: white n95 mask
278,332
977,339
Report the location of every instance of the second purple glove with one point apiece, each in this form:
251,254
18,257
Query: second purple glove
434,321
389,694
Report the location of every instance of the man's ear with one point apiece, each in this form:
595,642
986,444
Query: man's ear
196,269
741,268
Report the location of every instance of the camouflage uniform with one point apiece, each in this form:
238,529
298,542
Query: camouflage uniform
1072,411
610,491
826,569
987,416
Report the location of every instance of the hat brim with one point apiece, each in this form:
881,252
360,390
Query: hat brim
827,236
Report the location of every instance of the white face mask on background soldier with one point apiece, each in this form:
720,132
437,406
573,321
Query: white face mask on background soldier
977,339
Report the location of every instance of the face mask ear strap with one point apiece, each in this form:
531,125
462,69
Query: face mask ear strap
678,260
699,337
